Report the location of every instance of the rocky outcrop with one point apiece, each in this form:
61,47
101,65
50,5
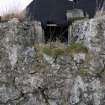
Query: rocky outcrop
28,77
91,33
16,60
75,14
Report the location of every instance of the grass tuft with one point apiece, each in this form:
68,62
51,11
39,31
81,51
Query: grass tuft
76,48
56,50
19,16
83,72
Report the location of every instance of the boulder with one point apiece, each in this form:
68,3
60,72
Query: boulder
74,14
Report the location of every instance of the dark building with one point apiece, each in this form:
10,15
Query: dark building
53,15
55,10
55,32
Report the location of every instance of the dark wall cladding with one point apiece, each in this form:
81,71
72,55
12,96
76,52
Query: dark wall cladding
55,10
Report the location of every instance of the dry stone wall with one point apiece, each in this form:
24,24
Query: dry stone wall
28,78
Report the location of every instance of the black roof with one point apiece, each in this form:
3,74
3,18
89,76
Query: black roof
55,10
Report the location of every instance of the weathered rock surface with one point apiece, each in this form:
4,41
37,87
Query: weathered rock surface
29,79
74,14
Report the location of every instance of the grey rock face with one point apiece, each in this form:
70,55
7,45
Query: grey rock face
91,34
29,79
16,59
74,14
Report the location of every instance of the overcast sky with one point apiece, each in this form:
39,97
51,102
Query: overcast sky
13,6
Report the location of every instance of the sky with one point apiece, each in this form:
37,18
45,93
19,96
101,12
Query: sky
13,6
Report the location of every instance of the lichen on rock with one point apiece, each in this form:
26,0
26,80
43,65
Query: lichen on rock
31,77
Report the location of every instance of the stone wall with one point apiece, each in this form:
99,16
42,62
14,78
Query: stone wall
16,59
30,78
91,33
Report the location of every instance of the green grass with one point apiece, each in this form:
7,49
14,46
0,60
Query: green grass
57,50
83,72
47,50
76,48
54,52
77,18
70,49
